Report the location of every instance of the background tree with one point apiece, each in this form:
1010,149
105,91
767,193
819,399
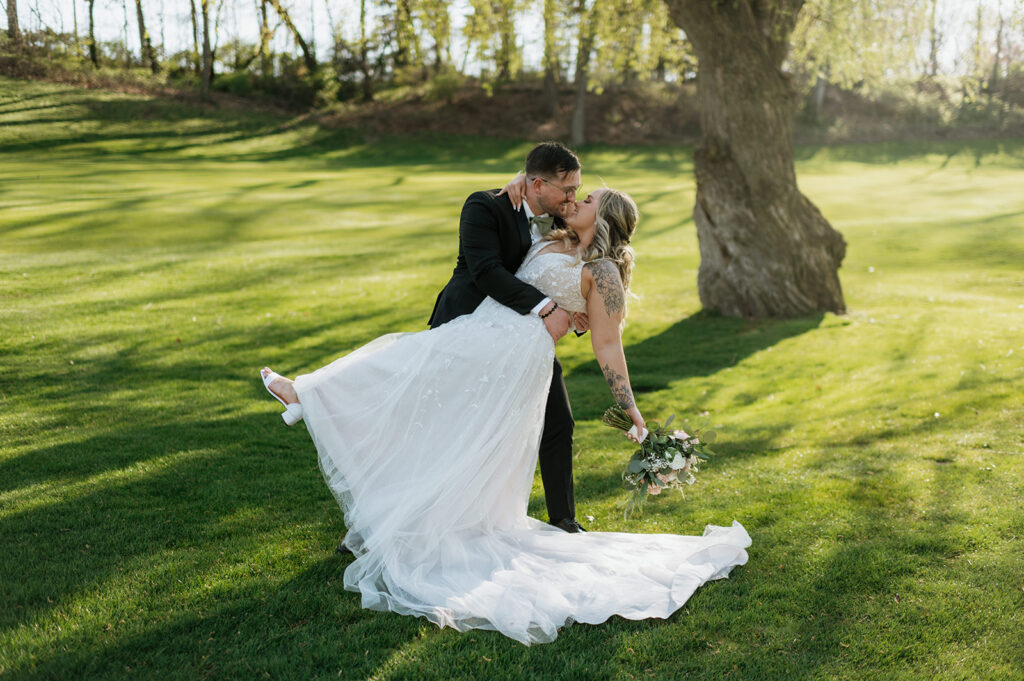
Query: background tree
551,62
12,21
266,33
844,42
307,54
437,24
490,28
588,17
94,56
196,55
364,54
207,51
766,250
148,54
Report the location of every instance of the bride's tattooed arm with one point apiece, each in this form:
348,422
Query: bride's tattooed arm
609,286
620,387
606,306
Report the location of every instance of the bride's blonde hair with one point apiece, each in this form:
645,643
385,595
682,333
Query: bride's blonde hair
614,225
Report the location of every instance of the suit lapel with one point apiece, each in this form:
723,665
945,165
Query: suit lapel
522,226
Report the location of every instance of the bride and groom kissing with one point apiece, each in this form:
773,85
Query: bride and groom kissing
429,440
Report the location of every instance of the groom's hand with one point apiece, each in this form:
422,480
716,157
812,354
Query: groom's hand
557,323
581,321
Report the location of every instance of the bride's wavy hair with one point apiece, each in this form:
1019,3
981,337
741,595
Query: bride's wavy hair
614,225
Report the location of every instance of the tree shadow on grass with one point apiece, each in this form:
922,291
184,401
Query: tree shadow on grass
891,153
700,345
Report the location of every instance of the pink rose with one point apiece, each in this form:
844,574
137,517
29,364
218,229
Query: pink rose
680,435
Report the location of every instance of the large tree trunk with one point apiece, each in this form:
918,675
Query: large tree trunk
766,250
146,45
94,56
197,65
12,21
307,54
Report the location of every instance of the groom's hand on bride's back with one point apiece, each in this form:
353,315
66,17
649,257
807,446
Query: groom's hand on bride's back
557,322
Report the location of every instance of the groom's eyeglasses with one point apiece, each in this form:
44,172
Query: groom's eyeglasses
568,191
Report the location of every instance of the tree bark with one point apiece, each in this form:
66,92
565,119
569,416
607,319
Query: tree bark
307,55
207,52
146,45
94,56
13,31
766,250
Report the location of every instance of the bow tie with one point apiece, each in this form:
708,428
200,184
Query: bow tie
544,223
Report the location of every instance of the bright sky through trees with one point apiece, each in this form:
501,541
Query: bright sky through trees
169,24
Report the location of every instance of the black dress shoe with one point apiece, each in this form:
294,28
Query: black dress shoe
343,550
569,525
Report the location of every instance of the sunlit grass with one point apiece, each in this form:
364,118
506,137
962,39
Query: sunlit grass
159,521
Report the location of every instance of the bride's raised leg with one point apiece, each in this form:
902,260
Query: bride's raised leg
283,390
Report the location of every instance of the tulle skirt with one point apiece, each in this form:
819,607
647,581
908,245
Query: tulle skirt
429,442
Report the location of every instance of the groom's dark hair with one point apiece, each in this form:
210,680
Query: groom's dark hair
551,159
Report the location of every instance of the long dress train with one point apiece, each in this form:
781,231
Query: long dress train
429,443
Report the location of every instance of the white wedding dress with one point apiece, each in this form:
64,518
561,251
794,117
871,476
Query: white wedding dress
429,442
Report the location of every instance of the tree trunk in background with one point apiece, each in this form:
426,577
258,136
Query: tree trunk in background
550,59
405,36
146,45
207,69
506,39
934,38
765,249
12,21
94,56
364,55
584,48
196,62
994,78
265,65
307,55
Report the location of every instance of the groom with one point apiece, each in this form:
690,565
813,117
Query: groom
493,240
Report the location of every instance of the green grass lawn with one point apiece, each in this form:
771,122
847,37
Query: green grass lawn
158,521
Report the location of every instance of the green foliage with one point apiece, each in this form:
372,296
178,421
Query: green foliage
445,85
159,522
236,82
852,41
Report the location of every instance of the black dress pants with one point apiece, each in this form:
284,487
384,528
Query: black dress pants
556,451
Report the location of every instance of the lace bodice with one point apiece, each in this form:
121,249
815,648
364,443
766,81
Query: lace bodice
557,275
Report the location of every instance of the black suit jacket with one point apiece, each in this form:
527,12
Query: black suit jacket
493,240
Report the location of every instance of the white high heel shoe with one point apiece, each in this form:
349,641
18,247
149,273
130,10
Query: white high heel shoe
292,412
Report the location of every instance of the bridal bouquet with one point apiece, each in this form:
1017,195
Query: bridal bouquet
666,459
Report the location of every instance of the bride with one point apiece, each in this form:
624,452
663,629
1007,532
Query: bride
429,443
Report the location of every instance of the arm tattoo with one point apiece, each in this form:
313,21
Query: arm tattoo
620,387
609,285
